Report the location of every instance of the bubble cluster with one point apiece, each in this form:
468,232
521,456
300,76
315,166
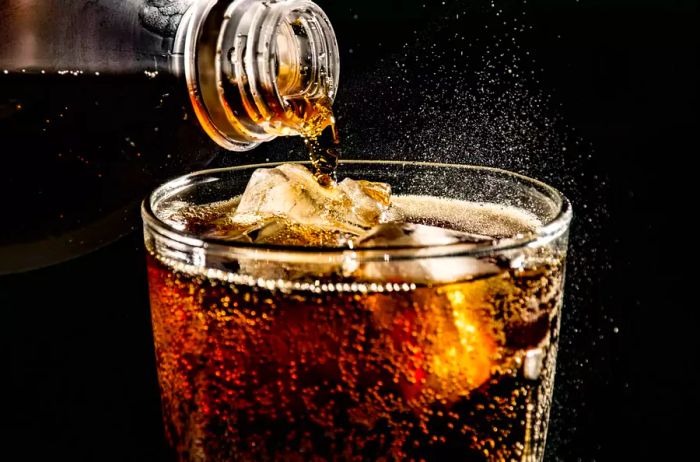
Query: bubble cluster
280,373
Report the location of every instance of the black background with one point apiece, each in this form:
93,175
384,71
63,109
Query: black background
619,79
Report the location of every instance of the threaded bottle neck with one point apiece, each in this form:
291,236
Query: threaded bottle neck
250,66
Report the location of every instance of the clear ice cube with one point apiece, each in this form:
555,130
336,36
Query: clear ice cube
418,267
297,204
414,235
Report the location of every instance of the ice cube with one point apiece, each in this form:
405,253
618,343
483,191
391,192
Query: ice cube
418,267
203,219
369,201
414,235
280,231
291,265
292,193
444,342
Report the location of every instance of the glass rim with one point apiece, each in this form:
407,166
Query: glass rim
544,234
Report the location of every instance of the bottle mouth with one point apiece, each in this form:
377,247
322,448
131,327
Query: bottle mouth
244,61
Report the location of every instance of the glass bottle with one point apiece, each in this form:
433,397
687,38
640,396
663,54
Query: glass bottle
100,100
243,60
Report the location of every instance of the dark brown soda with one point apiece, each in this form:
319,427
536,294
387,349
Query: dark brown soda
349,370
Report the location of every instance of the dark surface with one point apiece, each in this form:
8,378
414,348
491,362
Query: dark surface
75,338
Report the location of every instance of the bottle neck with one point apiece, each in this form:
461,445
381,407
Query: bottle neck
255,68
